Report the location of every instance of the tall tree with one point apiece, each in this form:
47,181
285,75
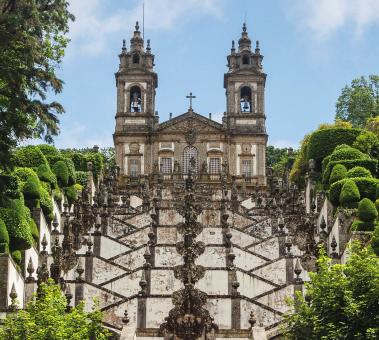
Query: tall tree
359,101
342,300
48,318
32,43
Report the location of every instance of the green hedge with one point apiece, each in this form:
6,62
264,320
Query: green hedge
349,196
82,177
34,230
49,150
339,172
10,185
17,257
4,238
347,153
57,194
47,204
375,240
71,194
29,156
367,211
81,159
61,171
45,174
366,186
15,216
31,189
323,142
358,225
358,171
369,164
25,173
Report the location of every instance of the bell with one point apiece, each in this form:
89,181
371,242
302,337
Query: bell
245,105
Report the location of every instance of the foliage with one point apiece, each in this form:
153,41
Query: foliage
375,240
109,156
323,142
61,171
46,318
29,156
25,173
49,151
16,217
344,300
31,47
366,186
17,257
34,230
339,172
358,171
367,211
31,189
10,186
349,195
46,204
45,174
358,225
372,125
274,155
359,101
57,194
368,143
300,165
71,194
4,238
347,153
82,177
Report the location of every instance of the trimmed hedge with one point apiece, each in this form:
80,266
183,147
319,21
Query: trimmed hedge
339,172
57,194
369,164
358,225
47,204
367,211
358,171
29,156
81,159
323,142
34,230
10,185
15,216
71,194
82,177
366,186
349,195
49,150
4,238
375,240
347,153
25,173
45,174
17,257
61,171
31,189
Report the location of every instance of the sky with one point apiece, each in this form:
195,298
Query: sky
311,48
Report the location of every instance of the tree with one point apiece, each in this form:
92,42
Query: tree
342,300
32,43
47,318
359,102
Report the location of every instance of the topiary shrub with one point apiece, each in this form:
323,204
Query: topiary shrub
45,174
17,257
358,225
49,150
82,177
377,191
57,194
34,230
10,186
46,204
25,173
31,189
61,171
349,196
368,143
71,194
375,240
341,146
358,171
367,211
366,186
323,142
29,156
347,153
339,172
4,238
71,171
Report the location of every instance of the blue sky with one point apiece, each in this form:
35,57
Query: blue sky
311,49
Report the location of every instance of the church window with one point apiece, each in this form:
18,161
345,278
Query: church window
245,60
135,99
214,166
166,165
135,58
190,159
245,99
134,168
247,168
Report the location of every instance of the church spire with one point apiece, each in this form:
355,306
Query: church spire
136,42
244,42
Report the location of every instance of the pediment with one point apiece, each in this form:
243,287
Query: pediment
188,121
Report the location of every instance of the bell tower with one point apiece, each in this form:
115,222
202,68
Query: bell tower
136,84
245,85
245,117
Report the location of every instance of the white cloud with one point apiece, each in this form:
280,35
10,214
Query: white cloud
96,21
324,18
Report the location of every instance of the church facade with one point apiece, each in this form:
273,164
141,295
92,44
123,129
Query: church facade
235,146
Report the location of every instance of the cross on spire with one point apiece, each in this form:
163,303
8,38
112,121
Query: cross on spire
190,96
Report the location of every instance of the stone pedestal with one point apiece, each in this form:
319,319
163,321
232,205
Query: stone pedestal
258,333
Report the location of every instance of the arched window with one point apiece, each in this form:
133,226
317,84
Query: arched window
190,160
135,58
245,99
135,99
245,60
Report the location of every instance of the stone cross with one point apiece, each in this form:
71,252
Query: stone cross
190,96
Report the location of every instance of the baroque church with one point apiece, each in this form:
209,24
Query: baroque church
190,236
